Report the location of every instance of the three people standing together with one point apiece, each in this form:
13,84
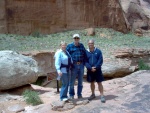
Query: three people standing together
79,57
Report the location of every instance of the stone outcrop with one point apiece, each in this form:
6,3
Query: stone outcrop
45,60
131,53
16,70
90,32
129,94
118,68
137,14
124,63
111,68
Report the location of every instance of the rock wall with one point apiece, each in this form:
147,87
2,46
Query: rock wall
49,16
137,14
3,25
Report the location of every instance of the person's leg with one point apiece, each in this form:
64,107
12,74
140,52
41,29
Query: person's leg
99,78
92,87
64,87
72,82
100,88
80,80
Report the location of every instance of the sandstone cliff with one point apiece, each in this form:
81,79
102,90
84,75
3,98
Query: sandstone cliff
50,16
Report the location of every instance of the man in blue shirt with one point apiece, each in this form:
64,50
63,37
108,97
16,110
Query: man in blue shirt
78,54
94,73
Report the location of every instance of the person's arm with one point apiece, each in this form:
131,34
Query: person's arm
87,65
68,48
100,60
85,60
57,62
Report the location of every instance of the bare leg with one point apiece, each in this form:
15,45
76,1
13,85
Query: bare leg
100,87
93,87
93,91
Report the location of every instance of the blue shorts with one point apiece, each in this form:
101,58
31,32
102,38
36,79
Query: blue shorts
95,76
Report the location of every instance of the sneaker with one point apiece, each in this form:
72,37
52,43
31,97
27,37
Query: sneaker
71,97
64,99
80,97
102,99
91,97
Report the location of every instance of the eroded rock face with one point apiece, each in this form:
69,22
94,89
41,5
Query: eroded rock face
126,61
120,66
130,53
137,14
27,17
16,70
45,61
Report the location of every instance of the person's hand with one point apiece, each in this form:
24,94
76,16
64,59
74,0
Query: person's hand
60,73
93,69
72,66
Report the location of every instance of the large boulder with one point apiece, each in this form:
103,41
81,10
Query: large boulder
90,31
117,68
16,70
124,61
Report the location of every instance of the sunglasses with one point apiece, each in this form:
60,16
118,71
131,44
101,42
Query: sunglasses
76,38
90,43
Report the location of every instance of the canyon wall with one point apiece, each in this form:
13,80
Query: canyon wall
49,16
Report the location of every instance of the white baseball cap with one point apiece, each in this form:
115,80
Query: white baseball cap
76,35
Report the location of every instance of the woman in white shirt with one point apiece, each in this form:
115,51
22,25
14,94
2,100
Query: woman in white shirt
63,62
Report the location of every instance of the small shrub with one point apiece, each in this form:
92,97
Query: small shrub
39,81
36,34
32,97
143,66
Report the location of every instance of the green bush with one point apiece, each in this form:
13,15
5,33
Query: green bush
36,34
31,97
39,81
143,66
